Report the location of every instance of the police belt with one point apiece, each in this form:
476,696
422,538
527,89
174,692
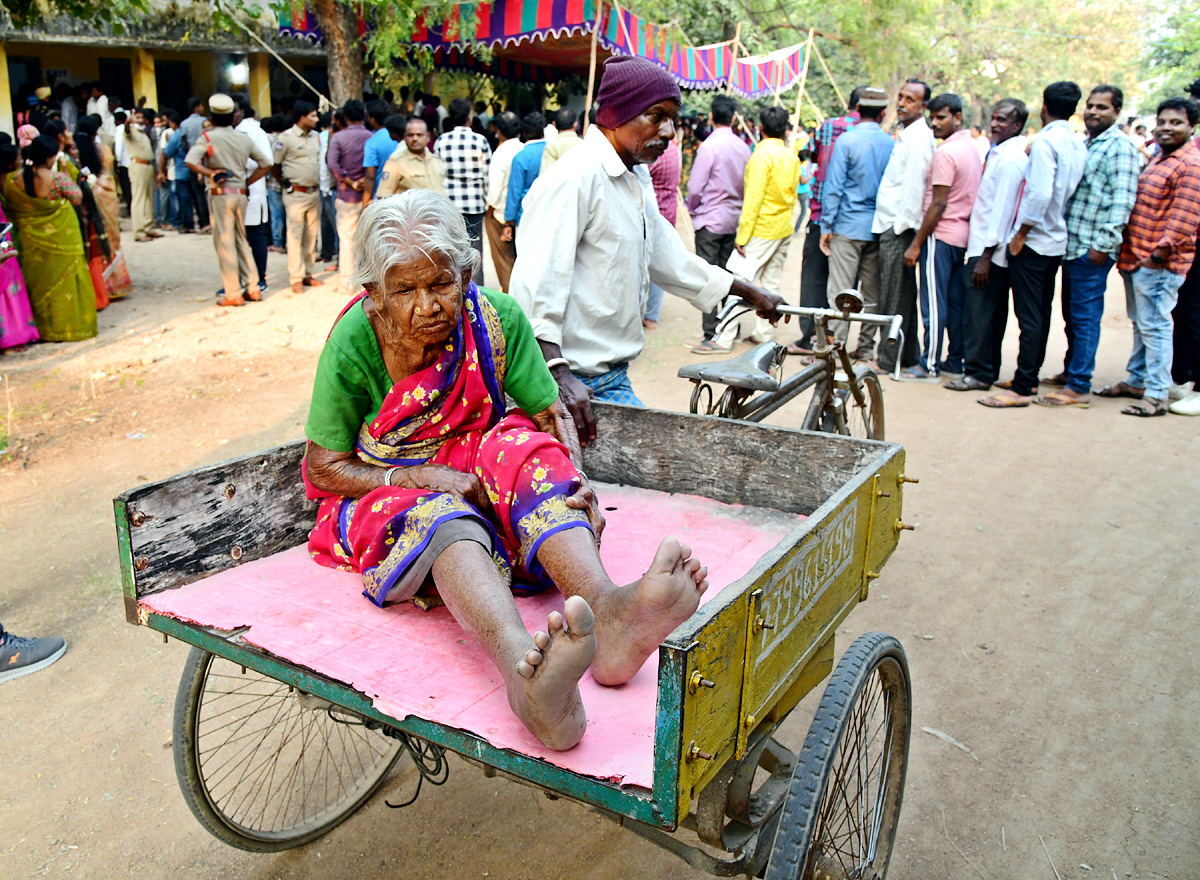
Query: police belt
227,191
295,187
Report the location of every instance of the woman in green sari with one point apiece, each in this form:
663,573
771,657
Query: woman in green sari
40,204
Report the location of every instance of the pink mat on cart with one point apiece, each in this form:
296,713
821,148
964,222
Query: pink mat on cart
412,662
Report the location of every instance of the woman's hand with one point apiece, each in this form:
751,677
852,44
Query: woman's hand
447,480
585,499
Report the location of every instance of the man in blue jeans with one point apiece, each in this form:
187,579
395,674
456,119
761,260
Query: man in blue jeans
1156,254
1096,216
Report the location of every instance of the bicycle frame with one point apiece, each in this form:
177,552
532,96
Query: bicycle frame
737,403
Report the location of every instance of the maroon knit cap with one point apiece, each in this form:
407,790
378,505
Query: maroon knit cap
630,86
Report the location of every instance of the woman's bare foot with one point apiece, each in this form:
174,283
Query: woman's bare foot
544,693
637,617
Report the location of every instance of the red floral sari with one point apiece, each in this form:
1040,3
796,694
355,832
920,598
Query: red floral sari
453,414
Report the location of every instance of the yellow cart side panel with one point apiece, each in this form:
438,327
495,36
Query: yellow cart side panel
802,603
711,714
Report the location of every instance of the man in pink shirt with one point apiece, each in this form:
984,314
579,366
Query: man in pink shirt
939,248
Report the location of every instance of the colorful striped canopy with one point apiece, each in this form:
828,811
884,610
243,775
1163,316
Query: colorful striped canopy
541,40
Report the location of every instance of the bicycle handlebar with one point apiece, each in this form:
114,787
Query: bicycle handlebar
893,322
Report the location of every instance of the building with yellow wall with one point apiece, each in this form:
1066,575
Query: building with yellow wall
170,54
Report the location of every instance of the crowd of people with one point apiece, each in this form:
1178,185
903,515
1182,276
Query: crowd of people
929,226
935,221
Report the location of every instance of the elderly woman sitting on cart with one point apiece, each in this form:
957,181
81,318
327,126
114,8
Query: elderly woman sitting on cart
423,471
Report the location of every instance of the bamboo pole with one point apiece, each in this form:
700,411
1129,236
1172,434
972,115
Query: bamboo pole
804,75
591,86
832,81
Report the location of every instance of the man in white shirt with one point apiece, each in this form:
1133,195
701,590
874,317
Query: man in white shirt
121,157
504,253
985,309
897,215
97,105
592,239
1056,162
258,229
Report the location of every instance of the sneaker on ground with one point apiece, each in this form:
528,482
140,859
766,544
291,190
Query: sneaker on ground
1188,406
1178,392
21,656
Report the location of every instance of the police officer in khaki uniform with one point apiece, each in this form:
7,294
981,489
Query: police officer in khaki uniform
220,156
412,165
297,168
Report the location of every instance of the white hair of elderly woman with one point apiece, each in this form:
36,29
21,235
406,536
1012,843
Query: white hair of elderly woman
395,229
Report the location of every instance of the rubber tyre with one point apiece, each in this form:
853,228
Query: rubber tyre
189,770
870,426
801,842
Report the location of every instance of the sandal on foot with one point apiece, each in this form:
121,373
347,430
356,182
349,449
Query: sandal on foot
797,348
1146,407
1002,401
1122,389
232,302
1004,384
966,383
1059,381
1061,398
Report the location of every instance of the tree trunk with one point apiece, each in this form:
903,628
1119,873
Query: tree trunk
343,46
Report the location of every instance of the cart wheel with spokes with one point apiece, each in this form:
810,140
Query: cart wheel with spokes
839,817
265,767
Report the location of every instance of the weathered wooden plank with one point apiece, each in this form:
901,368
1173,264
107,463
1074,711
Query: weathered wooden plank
196,524
730,461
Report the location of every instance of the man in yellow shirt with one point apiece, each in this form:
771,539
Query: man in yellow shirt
411,166
765,228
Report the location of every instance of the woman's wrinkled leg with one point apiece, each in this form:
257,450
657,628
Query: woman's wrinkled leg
631,620
542,672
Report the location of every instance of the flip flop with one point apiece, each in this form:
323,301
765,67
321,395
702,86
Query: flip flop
1122,389
1156,408
232,303
1058,398
1059,381
998,402
1005,384
797,349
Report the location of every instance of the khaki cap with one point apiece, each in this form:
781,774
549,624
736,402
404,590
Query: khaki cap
220,104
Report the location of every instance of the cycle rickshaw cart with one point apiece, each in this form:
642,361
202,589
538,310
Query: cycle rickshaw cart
727,797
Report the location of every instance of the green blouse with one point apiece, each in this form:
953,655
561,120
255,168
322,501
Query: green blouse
352,381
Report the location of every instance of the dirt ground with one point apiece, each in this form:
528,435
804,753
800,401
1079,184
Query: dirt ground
1047,602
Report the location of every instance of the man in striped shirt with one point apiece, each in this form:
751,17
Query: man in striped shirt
1158,250
1096,218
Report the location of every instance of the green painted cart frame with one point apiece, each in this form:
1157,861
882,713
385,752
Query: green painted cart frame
727,677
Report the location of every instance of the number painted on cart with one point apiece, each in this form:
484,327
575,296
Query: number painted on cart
792,591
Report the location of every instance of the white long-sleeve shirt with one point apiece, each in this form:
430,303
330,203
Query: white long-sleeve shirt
256,195
1056,163
590,242
498,171
898,202
996,202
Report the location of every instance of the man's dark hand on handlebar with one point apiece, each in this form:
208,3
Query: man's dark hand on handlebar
765,303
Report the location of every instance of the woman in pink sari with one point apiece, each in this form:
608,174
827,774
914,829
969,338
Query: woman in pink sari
16,317
426,478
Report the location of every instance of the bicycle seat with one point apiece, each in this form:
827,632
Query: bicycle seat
748,370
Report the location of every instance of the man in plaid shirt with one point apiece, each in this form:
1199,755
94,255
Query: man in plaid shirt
1159,247
1096,218
814,265
465,157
